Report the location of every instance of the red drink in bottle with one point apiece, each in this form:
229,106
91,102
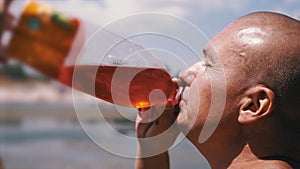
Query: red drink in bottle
125,86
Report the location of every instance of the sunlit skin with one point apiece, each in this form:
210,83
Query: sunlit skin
259,128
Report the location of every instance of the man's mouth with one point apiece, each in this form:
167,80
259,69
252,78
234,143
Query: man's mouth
176,109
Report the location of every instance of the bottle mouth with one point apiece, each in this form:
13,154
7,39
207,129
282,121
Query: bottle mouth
178,95
180,90
177,100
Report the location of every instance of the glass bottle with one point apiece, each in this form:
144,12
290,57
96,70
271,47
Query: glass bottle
52,43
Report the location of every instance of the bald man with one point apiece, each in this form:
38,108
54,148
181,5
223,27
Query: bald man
260,124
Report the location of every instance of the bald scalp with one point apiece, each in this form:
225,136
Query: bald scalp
266,47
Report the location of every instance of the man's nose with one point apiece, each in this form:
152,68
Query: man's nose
188,75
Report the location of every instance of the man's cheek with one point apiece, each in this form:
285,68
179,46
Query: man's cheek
200,100
194,102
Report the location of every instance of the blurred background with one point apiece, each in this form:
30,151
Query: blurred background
38,124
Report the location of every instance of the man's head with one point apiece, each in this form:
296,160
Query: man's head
260,56
262,49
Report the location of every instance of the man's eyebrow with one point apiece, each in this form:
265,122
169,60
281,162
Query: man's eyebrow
206,54
209,54
204,51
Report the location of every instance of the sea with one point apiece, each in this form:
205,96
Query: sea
63,144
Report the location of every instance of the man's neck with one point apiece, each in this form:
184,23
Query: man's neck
246,159
220,155
282,145
240,155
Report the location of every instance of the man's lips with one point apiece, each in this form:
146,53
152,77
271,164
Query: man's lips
183,100
184,95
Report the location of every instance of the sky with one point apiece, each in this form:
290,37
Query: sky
208,15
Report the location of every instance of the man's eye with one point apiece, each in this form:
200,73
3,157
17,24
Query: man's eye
206,64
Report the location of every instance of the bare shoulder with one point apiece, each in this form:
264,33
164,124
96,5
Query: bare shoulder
265,164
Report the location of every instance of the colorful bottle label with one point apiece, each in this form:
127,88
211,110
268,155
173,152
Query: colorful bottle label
43,38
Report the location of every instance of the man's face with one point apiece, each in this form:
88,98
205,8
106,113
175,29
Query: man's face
196,98
203,100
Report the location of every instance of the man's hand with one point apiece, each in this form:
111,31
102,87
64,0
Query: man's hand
156,133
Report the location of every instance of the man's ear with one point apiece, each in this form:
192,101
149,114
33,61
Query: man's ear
257,102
